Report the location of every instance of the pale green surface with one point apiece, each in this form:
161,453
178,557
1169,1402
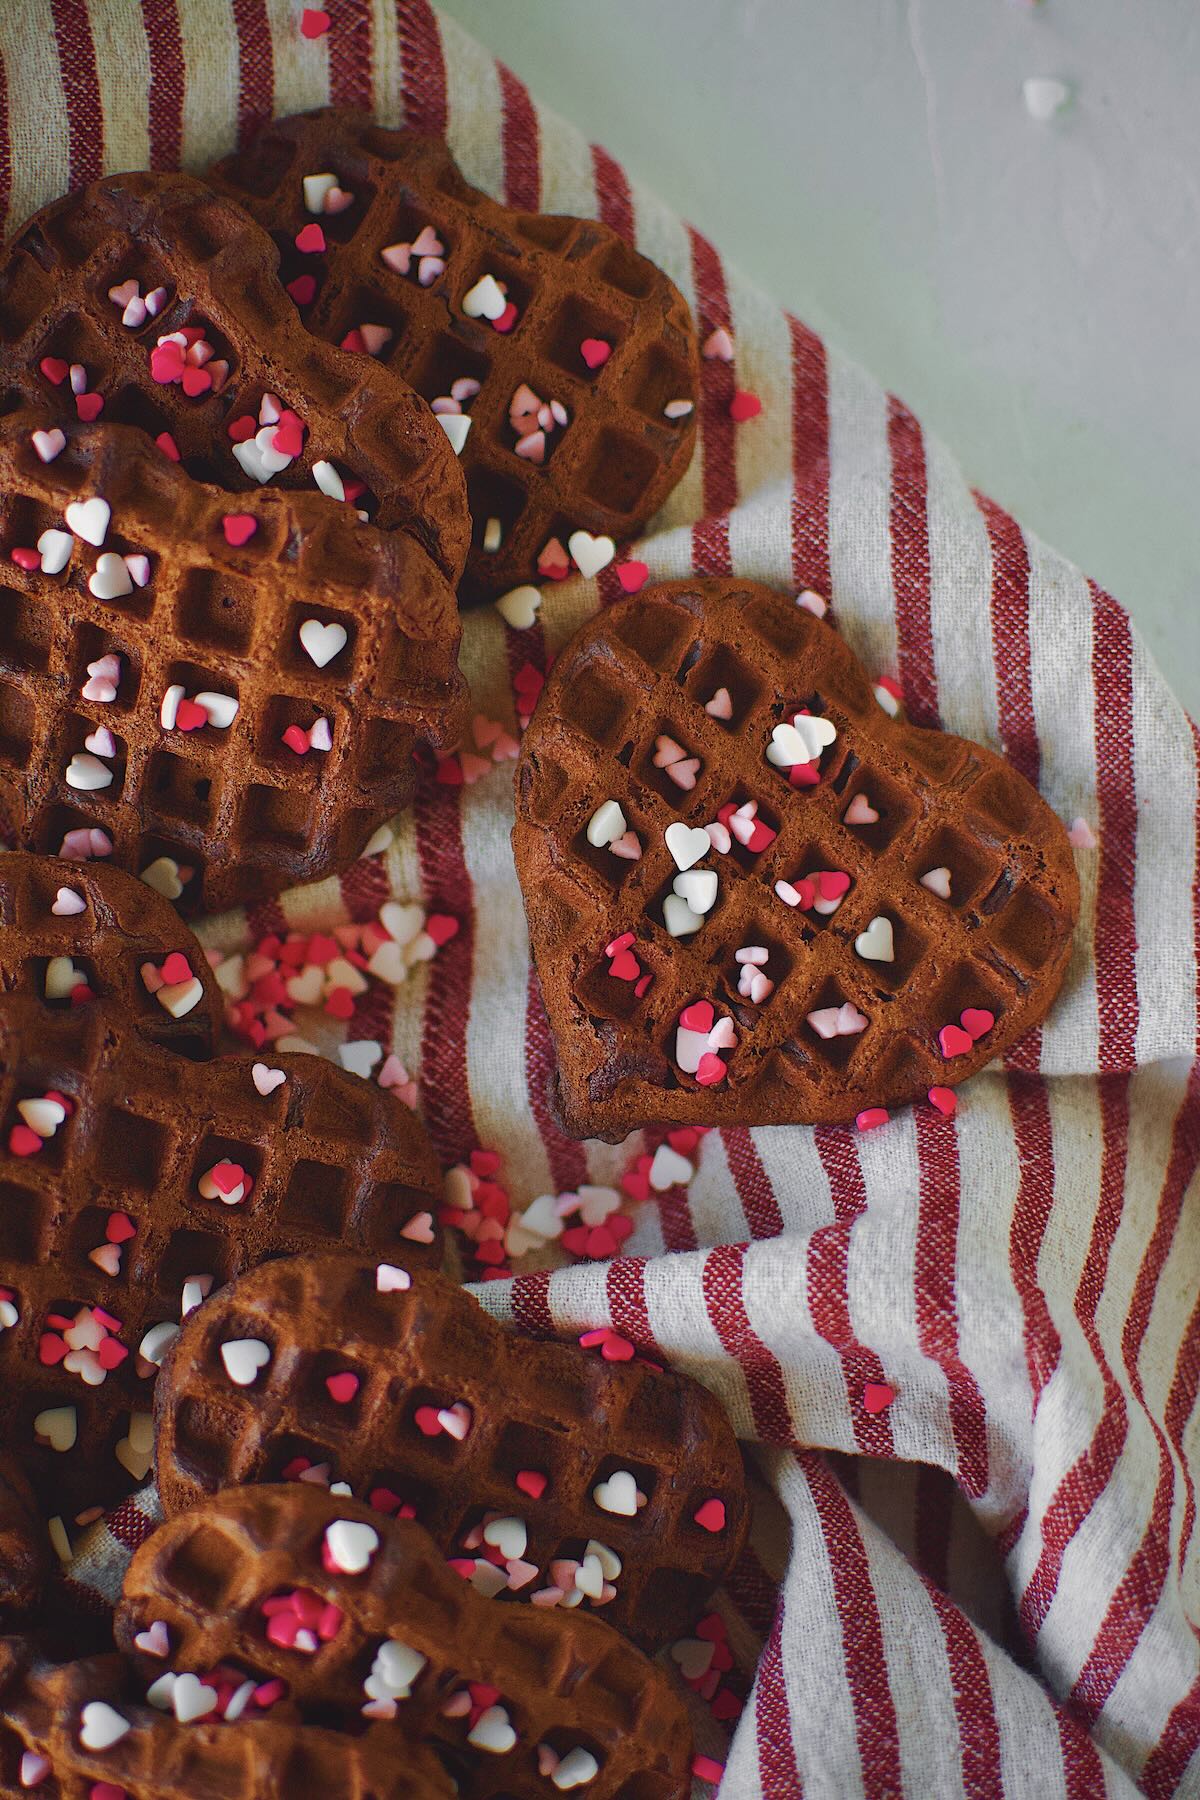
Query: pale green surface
1032,291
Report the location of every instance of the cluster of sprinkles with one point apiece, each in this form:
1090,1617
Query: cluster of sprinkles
88,404
718,347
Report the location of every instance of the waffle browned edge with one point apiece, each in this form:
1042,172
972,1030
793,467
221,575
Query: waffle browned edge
548,1407
221,270
565,1678
334,1159
124,925
41,1704
24,1546
645,667
186,794
575,277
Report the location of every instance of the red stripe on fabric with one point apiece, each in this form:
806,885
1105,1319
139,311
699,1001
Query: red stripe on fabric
753,1184
129,1524
531,1304
256,67
910,565
1089,1475
773,1720
828,1283
674,1207
1029,1107
866,1669
423,67
1115,930
85,1597
839,1158
933,1502
1010,638
614,197
810,459
566,1156
351,53
445,1096
5,154
1169,1761
167,80
753,1591
974,1704
724,1298
1181,1402
519,142
710,536
81,89
625,1285
267,919
364,887
936,1296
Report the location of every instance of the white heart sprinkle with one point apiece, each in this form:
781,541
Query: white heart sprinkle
541,1219
485,300
395,1668
266,1079
509,1536
155,1640
606,824
34,1768
322,642
360,1057
88,773
222,709
351,1545
608,1559
519,607
153,1346
694,1657
163,876
179,997
55,548
837,1021
698,887
243,1358
328,480
110,578
57,1426
101,742
456,426
590,554
391,1280
938,882
686,844
493,1731
89,519
576,1769
191,1699
158,1694
101,1726
679,918
49,444
876,943
668,1169
618,1494
67,903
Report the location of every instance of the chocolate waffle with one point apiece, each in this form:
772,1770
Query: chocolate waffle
165,1179
43,1724
240,1577
588,325
77,933
850,911
91,286
24,1546
414,1396
227,719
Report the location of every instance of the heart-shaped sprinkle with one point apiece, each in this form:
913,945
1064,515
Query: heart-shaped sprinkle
243,1358
239,528
531,1482
101,1726
493,1731
49,444
860,812
192,1699
698,887
391,1280
938,882
876,943
519,607
694,1657
954,1041
976,1021
606,824
618,1494
455,1420
110,579
88,773
668,1169
590,554
55,549
153,1346
508,1535
67,903
711,1515
486,300
89,406
718,346
155,1640
632,576
595,352
89,519
266,1079
342,1387
877,1396
686,843
350,1545
945,1100
418,1229
322,642
576,1769
679,918
101,742
310,240
837,1021
57,1427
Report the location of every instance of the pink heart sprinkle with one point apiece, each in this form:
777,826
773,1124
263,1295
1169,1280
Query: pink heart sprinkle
697,1017
239,528
296,740
632,576
531,1482
954,1041
625,966
419,1229
871,1118
303,289
976,1021
832,884
860,812
119,1228
945,1100
427,1421
342,1387
195,382
711,1070
877,1396
310,239
711,1516
428,243
595,352
176,968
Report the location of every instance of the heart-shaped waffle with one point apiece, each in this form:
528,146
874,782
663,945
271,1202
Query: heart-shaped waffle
407,1390
24,1546
79,1731
74,934
755,898
159,1179
226,718
358,1615
150,300
564,362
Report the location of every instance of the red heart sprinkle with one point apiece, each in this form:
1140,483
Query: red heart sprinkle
227,1176
625,941
871,1118
625,966
168,446
310,238
166,363
632,576
441,927
340,1003
353,341
711,1070
383,1500
241,429
427,1421
575,1240
642,986
343,1387
945,1100
54,369
636,1184
120,1228
807,891
977,1021
239,528
303,289
89,406
698,1016
296,740
833,884
110,1354
176,968
26,559
51,1349
507,319
313,23
289,436
725,1705
531,1482
24,1142
877,1396
744,405
954,1041
711,1516
595,352
189,716
804,775
196,382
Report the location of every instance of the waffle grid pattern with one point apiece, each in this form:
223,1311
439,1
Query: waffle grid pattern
24,1546
565,1680
646,668
160,1759
571,279
332,1158
123,925
548,1408
219,272
217,619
